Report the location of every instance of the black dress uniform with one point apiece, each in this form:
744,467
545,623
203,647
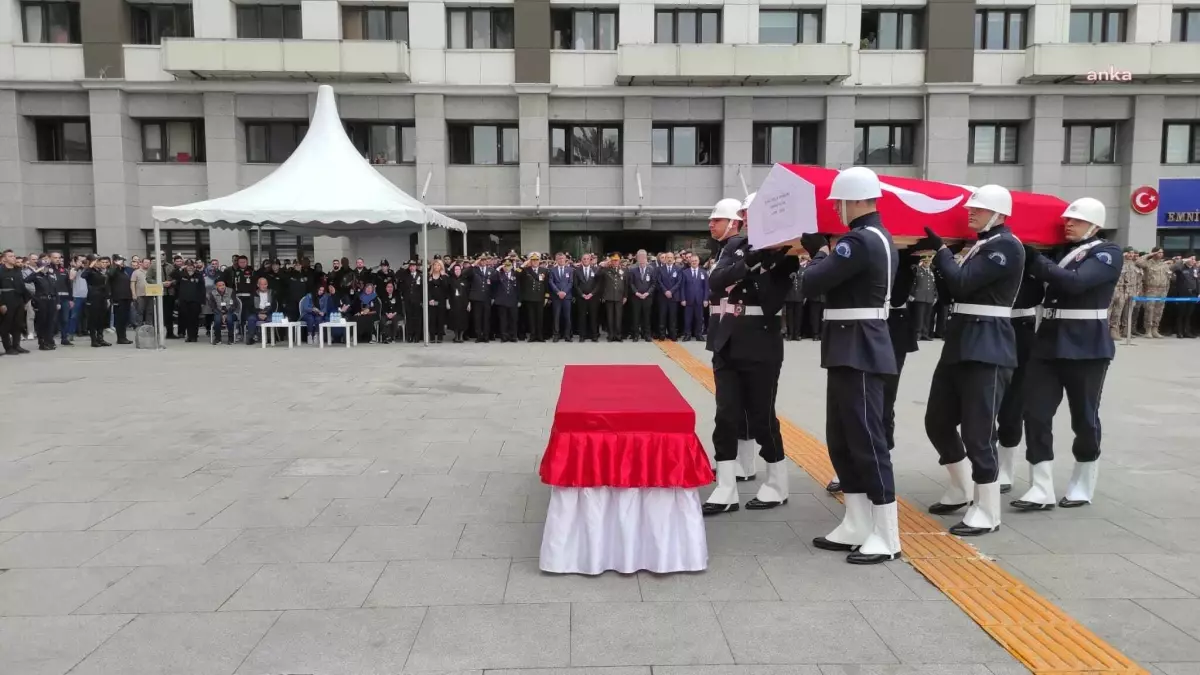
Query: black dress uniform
533,301
747,347
480,296
190,297
460,289
1073,350
794,306
613,293
587,289
241,280
97,306
505,293
642,280
439,301
45,305
121,296
1012,408
412,293
903,331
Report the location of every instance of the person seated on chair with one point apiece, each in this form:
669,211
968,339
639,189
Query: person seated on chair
263,305
225,310
366,313
314,310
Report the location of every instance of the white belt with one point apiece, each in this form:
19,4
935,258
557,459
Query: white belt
743,310
856,314
1075,314
716,310
1028,311
981,310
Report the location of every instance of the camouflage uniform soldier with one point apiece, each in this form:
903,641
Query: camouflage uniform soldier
1129,285
1157,280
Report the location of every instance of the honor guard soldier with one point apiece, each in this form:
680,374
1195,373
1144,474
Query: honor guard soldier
977,360
1010,421
856,351
1073,350
747,347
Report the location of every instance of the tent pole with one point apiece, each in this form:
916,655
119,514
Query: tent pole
258,253
425,281
466,253
158,302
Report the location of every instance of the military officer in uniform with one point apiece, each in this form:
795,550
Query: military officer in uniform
856,351
1010,420
481,276
533,297
977,360
613,292
505,291
1071,355
747,347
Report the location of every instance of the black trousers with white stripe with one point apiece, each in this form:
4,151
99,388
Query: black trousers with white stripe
745,393
855,434
960,418
1083,381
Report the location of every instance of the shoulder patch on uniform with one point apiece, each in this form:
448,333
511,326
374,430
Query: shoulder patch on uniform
1104,257
998,258
739,252
842,249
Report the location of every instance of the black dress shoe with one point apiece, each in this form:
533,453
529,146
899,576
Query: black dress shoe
940,509
1072,503
715,509
827,545
1022,505
757,504
105,344
647,339
129,342
964,530
45,348
858,558
833,487
20,350
554,339
66,343
1005,488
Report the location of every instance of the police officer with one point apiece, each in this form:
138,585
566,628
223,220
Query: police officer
1010,420
856,351
505,292
413,295
45,303
747,347
240,279
13,296
97,301
480,296
1072,354
977,359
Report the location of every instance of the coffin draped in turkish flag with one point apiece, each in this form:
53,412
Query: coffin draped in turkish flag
909,205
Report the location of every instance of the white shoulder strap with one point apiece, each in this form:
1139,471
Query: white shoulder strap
1077,250
887,248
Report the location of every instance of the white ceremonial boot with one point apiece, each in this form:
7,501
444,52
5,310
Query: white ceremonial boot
834,485
724,498
774,492
956,492
1006,456
1082,487
884,543
983,516
1040,496
854,528
747,451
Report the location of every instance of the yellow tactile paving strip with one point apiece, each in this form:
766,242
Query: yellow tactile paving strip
1031,628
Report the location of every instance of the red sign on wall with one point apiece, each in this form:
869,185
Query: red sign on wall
1144,200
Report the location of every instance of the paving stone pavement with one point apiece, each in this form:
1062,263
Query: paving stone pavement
238,511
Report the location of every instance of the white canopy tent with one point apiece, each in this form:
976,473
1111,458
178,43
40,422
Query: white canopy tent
325,188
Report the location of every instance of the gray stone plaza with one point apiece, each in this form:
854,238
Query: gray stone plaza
377,511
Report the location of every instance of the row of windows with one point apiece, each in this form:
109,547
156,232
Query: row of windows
876,144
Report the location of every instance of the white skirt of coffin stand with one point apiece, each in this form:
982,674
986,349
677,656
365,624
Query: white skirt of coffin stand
597,529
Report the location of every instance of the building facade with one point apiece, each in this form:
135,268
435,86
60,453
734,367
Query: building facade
582,125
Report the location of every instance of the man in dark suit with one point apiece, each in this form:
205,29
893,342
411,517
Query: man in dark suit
694,298
642,282
587,298
670,288
561,281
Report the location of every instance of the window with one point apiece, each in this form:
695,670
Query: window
273,142
152,23
1181,143
592,144
780,27
583,29
1185,25
63,140
786,143
993,144
375,23
883,144
69,243
1097,25
1090,143
384,142
483,144
998,29
890,29
281,245
687,26
52,22
173,141
686,145
269,21
187,243
481,28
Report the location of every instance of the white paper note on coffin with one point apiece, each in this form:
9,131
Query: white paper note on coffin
784,208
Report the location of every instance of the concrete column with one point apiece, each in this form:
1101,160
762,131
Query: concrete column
1043,145
13,232
535,236
534,150
739,145
214,18
116,149
839,132
105,30
11,29
1140,151
950,41
636,139
224,149
949,137
531,37
430,123
320,20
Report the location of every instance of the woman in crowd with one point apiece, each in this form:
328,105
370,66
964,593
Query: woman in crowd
439,297
460,287
366,313
391,313
314,310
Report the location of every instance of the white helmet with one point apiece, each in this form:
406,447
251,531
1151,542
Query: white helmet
855,184
1088,210
749,200
992,198
726,208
